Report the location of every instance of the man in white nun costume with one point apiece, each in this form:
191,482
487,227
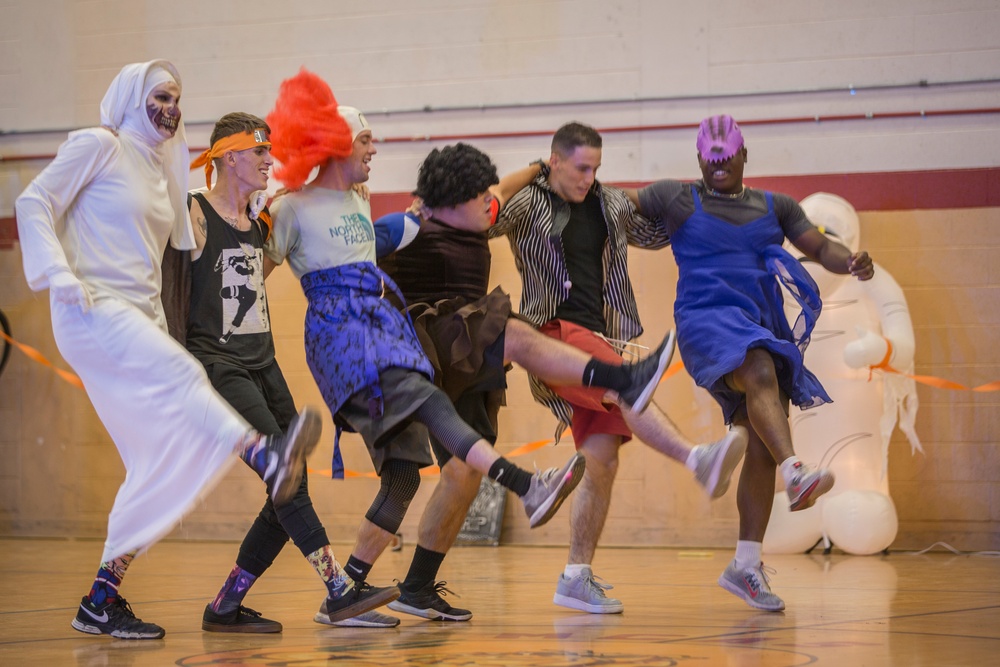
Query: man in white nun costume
93,227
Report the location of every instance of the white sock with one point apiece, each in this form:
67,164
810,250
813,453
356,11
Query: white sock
692,460
747,554
788,470
575,570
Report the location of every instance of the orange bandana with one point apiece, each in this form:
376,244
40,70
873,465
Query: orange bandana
234,142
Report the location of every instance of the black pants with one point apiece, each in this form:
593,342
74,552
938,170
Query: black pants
263,399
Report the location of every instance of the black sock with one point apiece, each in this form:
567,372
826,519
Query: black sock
509,476
423,569
601,374
357,569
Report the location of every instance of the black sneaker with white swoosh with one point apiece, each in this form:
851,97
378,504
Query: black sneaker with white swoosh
114,618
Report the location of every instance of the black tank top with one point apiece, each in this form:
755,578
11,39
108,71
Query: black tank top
441,263
229,320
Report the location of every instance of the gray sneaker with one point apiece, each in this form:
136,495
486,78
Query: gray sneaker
286,454
717,461
369,619
549,489
807,486
646,374
585,592
751,584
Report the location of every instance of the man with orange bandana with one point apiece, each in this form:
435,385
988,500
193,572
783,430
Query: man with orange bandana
230,227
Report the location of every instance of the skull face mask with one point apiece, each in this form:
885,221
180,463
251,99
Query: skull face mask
163,109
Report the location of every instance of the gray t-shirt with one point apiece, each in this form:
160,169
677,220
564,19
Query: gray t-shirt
318,228
671,203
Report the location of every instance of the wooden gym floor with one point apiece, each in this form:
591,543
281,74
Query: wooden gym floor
901,609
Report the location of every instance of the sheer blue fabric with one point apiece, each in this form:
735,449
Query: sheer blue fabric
729,300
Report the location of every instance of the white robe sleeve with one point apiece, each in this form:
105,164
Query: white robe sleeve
42,207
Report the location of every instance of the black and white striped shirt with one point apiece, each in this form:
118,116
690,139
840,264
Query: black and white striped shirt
534,221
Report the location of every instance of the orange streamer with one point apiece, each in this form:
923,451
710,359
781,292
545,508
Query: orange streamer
37,356
526,448
885,360
531,447
674,369
941,383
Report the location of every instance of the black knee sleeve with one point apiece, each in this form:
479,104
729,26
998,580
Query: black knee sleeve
400,481
439,416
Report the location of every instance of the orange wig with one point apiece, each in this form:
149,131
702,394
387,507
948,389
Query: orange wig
306,129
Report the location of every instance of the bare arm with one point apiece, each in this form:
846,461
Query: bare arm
269,265
511,183
833,256
640,231
200,226
633,195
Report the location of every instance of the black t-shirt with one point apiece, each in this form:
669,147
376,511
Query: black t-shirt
583,242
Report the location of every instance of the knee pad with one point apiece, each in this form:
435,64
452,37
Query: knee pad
400,481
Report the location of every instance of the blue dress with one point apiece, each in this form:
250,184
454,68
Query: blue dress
729,301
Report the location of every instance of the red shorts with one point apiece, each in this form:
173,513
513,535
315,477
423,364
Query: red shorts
590,413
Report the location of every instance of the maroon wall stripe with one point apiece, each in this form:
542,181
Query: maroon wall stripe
876,191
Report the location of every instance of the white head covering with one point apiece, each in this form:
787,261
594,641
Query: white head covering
124,109
355,120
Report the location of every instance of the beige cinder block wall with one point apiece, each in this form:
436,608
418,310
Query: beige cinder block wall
59,471
517,71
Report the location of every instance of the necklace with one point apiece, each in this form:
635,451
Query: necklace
726,195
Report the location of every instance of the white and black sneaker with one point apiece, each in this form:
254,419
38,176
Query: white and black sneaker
354,599
369,619
427,602
114,618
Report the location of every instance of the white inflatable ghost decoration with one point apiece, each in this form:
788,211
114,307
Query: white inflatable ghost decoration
863,324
